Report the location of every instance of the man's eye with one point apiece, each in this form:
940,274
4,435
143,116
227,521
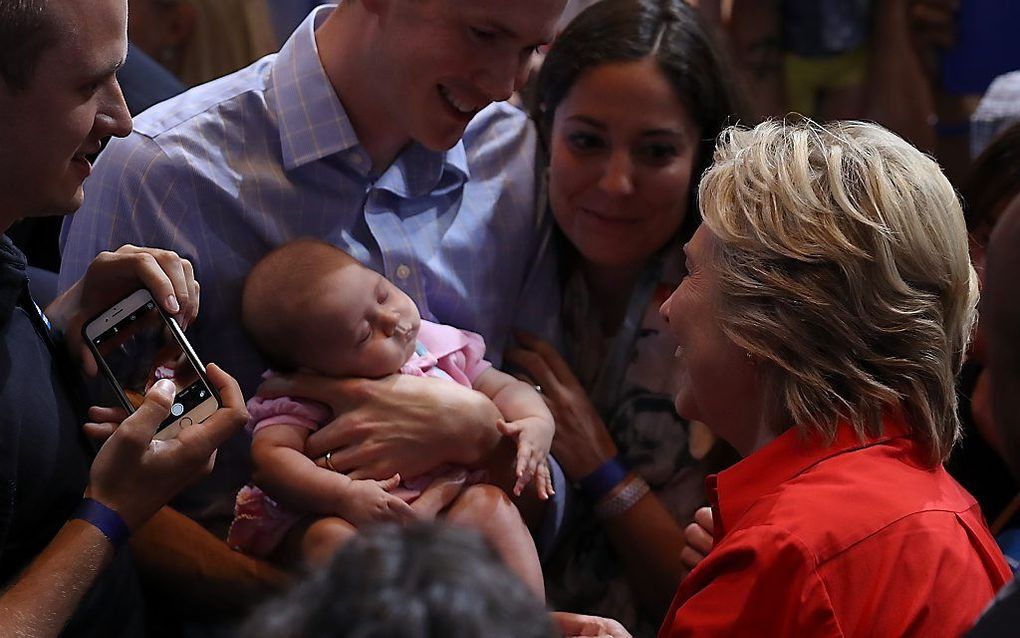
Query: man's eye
482,34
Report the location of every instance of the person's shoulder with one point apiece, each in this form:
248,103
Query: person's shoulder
849,498
209,105
499,123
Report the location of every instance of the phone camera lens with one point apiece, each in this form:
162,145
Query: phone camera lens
177,409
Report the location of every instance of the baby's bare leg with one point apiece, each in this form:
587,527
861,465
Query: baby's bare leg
489,510
316,542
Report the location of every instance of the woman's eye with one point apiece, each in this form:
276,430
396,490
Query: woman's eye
658,153
584,142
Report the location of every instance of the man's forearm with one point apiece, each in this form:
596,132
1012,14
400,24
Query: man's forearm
46,595
200,571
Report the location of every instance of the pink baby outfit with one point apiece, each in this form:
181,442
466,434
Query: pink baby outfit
260,523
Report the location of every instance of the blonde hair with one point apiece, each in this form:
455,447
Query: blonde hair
843,262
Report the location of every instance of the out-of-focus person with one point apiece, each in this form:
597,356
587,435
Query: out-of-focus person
980,463
826,312
201,40
1001,316
429,581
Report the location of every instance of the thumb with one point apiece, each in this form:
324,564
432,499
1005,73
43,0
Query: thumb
391,483
141,425
508,429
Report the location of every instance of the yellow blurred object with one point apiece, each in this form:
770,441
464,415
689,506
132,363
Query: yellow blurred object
228,35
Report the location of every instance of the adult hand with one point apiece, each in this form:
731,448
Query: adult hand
135,475
399,423
576,625
582,442
112,276
699,538
367,501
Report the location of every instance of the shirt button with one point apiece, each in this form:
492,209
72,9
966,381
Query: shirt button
403,272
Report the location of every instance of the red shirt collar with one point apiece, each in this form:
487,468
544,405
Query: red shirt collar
779,461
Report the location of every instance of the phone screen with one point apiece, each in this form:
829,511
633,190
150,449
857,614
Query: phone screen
140,349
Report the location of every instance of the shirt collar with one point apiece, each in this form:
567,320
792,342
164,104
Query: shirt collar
733,491
313,122
419,171
12,278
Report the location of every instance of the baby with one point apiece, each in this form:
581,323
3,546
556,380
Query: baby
309,306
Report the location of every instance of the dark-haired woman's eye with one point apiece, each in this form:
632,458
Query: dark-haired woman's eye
658,153
585,142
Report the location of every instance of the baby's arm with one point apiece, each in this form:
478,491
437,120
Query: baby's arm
527,418
282,471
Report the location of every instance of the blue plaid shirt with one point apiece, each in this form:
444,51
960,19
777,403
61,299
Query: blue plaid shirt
229,170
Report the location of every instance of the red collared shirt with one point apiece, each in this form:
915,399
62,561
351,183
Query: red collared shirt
853,539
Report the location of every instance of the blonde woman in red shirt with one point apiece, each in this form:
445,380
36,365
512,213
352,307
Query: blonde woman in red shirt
826,312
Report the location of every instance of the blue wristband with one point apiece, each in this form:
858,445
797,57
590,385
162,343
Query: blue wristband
602,481
105,520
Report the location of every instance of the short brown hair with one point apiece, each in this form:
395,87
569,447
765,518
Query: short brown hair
26,30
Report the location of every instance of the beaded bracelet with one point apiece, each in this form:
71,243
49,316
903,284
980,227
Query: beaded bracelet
622,499
603,480
105,520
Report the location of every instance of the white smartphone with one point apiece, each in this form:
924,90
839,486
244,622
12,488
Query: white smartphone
136,344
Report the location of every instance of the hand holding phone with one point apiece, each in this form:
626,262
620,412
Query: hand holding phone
111,276
136,344
135,476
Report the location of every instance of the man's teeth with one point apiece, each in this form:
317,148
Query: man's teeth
463,107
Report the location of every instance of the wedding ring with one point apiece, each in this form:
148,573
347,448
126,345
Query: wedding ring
329,462
538,388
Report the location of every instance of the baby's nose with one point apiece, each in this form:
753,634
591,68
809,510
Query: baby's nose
393,324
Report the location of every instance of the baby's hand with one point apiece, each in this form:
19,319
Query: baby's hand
368,501
534,437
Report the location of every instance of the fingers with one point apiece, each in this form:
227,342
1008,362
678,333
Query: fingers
161,271
224,422
543,482
103,414
401,511
559,368
511,429
137,430
99,432
535,366
698,538
190,313
389,484
690,558
703,517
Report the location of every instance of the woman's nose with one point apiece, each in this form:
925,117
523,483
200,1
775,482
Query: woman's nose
618,178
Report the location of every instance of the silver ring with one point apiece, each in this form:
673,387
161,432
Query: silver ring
538,388
329,463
